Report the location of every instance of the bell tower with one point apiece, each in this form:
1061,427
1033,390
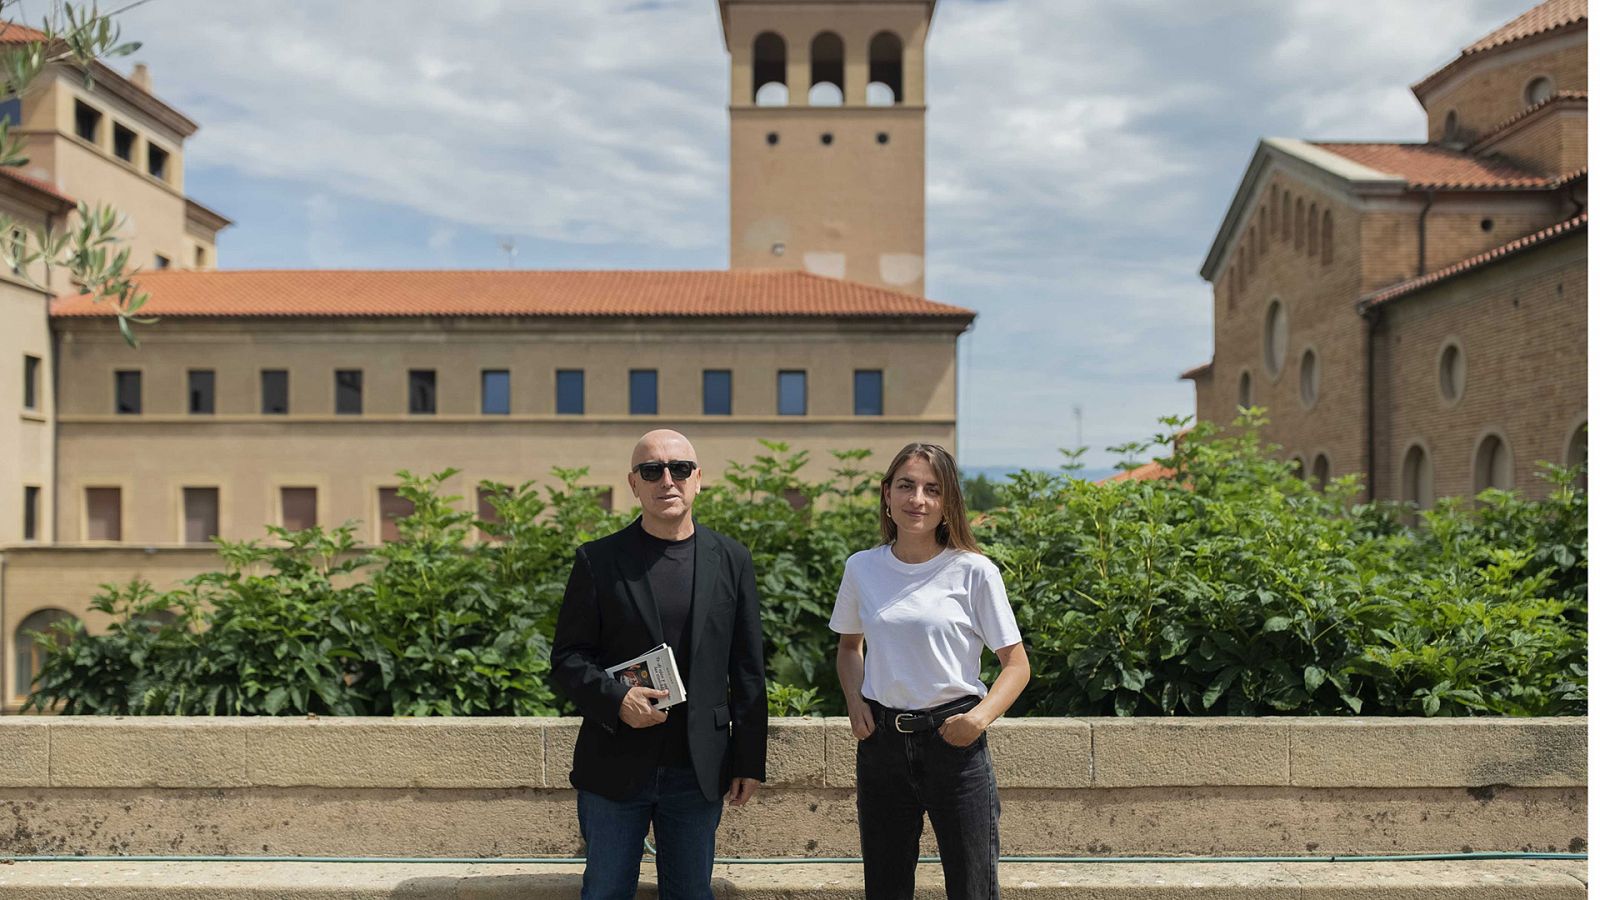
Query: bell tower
827,117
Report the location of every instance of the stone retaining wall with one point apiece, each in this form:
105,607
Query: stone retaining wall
497,787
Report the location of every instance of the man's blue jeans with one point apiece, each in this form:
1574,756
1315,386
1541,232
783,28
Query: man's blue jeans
686,831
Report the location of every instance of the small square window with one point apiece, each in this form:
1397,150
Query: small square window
569,392
275,392
130,392
716,390
104,508
421,392
347,392
496,392
200,258
30,381
86,122
391,509
791,393
156,161
122,139
200,514
869,392
298,507
642,392
202,392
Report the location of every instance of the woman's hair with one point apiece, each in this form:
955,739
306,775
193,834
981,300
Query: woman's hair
954,530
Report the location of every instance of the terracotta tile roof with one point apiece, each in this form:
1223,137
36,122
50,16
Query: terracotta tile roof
1196,372
38,185
1150,471
1579,222
395,293
1437,167
17,33
1547,16
1557,97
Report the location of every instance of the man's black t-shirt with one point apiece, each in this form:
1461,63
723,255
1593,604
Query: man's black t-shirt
669,567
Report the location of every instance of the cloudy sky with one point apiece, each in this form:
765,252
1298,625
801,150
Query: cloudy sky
1080,157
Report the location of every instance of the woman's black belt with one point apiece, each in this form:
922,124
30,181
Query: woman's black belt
907,721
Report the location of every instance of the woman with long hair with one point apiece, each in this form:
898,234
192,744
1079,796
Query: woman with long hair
925,602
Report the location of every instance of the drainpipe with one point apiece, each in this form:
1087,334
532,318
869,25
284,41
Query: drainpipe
1422,234
1374,318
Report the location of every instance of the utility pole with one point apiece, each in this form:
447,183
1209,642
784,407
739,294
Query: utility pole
509,246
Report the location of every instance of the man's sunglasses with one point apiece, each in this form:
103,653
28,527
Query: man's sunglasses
680,469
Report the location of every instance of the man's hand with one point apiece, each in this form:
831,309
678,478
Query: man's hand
636,708
862,722
959,731
740,792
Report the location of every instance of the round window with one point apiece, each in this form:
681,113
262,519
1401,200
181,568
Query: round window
1275,339
1452,372
1310,378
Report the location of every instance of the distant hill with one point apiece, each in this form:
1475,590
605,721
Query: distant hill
1002,473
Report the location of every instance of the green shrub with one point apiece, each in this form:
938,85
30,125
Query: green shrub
1233,588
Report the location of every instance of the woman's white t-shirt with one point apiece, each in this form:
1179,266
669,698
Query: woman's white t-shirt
926,624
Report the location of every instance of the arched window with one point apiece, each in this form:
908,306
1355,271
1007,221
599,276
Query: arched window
1275,338
827,70
1260,230
1311,231
29,653
1538,91
1286,218
1321,471
1491,465
1299,223
1272,211
1250,252
1245,397
1310,378
1327,237
1416,478
769,67
1452,125
1298,466
885,70
1578,454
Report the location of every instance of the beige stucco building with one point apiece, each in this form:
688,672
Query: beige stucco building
294,397
1415,313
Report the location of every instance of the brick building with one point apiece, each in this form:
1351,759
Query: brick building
1415,313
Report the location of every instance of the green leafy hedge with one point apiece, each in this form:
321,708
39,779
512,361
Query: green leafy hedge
1233,588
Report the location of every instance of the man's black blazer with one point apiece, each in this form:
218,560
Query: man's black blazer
608,616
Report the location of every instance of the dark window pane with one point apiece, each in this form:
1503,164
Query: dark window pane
716,387
202,391
391,509
162,262
299,505
642,392
422,397
30,382
87,122
157,162
275,391
122,142
487,512
11,111
869,392
791,393
30,513
104,506
199,514
569,392
130,392
496,392
347,392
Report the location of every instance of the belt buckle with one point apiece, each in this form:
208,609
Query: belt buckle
897,719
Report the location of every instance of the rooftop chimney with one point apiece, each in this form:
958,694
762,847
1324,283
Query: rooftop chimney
141,76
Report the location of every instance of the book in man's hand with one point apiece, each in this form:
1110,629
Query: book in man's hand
656,668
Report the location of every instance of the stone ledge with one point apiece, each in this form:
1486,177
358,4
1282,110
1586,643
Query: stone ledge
1042,753
1465,880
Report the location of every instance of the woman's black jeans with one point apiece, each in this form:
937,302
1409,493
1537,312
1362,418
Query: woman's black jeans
900,776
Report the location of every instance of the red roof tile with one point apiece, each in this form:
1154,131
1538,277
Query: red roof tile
1150,471
1557,97
38,185
17,33
1579,222
392,293
1196,372
1434,166
1547,16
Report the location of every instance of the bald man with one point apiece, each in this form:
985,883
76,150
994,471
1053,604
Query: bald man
663,579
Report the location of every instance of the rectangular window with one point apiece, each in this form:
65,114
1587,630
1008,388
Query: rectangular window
275,392
30,513
642,392
791,393
202,392
86,121
18,250
156,162
487,513
298,507
162,262
104,508
130,392
30,381
347,392
122,139
716,391
606,497
11,111
199,257
391,509
199,514
869,392
420,392
496,392
569,392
